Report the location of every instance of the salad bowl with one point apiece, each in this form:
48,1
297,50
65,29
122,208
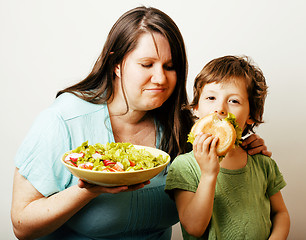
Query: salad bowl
119,178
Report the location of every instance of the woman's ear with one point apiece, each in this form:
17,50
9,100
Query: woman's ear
118,71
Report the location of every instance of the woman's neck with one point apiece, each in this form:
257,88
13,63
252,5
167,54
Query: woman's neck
118,109
235,159
135,127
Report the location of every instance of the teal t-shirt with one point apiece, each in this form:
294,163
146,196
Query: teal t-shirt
147,213
241,203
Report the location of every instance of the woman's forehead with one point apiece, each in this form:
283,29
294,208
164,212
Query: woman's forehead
151,45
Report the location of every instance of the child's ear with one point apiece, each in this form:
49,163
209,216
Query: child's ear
118,71
195,111
250,121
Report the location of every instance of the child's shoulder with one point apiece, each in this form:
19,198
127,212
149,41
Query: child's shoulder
184,173
184,159
268,167
260,157
185,163
262,161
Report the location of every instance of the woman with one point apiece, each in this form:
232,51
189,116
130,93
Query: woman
135,93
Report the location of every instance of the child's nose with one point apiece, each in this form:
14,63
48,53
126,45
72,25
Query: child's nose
221,110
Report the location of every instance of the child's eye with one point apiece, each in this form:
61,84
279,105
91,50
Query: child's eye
235,101
211,98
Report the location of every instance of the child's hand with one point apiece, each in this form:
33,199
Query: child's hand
204,149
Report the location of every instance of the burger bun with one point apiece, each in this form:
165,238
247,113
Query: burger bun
220,128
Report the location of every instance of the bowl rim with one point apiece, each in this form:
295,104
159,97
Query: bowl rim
125,172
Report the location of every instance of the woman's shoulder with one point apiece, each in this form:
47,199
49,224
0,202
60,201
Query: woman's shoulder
70,106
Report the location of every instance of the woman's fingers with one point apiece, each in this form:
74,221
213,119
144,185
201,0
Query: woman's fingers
252,141
253,144
96,188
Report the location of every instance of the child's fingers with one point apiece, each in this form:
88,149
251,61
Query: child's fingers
202,143
200,138
197,138
206,155
213,145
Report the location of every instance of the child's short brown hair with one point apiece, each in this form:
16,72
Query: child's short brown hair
228,68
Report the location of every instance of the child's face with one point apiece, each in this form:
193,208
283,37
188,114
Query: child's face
224,98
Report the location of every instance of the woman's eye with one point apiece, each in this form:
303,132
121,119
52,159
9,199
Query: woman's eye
169,67
146,65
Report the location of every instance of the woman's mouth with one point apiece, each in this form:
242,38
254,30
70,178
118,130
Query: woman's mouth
154,90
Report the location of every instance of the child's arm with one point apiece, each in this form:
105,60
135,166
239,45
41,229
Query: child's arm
195,209
280,218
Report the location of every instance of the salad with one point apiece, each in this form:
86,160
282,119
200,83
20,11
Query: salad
112,157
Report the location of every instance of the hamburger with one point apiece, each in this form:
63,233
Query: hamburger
227,131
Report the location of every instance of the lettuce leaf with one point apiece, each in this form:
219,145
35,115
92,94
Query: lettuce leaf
232,119
125,153
191,137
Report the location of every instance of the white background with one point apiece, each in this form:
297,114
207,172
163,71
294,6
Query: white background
48,45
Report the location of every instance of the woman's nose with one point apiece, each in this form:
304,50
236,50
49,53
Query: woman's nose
159,76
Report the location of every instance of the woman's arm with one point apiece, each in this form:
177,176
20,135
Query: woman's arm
280,218
34,215
253,144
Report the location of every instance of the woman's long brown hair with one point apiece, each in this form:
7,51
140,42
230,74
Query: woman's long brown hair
98,87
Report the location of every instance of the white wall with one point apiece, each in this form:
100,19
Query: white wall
48,45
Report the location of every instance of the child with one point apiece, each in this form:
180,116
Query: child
239,198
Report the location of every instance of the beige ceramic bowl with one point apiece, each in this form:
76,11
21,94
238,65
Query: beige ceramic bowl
112,179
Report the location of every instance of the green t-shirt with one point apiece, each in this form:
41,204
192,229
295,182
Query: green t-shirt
241,203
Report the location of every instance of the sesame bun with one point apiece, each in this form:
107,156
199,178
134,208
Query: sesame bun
220,128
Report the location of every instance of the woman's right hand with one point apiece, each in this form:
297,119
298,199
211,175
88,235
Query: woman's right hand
100,189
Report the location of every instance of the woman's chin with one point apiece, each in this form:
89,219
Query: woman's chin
154,105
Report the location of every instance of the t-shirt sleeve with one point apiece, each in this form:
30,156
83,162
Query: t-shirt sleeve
276,180
38,158
183,174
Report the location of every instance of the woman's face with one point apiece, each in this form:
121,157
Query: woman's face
147,73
